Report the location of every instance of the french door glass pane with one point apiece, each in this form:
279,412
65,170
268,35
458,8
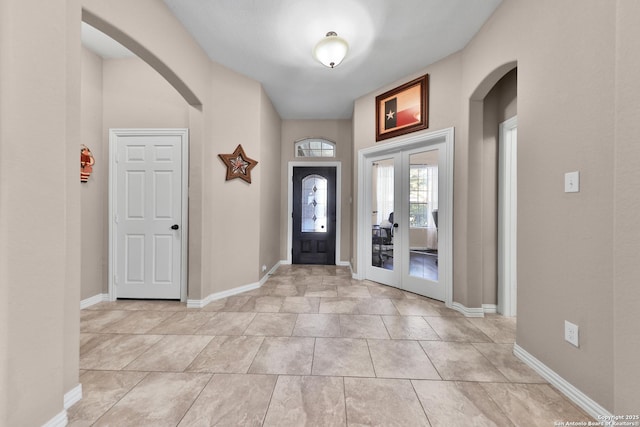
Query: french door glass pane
423,215
314,204
382,188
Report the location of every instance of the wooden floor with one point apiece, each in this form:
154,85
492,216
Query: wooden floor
421,264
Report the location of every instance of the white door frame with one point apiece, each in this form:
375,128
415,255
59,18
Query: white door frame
445,226
113,168
507,216
297,164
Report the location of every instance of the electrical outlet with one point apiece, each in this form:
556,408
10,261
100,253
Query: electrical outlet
571,333
264,268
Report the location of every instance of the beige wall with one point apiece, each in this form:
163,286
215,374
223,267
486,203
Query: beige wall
178,58
339,132
626,205
270,167
566,58
93,194
499,105
232,112
577,109
235,227
136,96
444,110
39,208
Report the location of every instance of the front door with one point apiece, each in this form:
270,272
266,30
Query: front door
314,215
147,203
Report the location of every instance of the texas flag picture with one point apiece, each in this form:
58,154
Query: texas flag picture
402,110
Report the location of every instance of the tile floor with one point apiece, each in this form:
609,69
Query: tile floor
310,347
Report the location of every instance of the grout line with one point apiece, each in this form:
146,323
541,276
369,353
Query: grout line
420,402
196,398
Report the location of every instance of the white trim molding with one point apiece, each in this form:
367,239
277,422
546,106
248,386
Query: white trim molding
73,396
59,420
200,303
96,299
590,406
468,312
489,308
508,216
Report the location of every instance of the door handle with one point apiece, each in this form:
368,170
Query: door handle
175,226
395,225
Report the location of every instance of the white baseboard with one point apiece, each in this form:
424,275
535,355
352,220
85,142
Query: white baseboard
273,270
59,420
199,303
73,396
489,308
468,312
590,406
93,300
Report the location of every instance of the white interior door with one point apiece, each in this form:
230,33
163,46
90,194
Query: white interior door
148,213
406,237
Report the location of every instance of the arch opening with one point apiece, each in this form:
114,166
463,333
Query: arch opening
145,54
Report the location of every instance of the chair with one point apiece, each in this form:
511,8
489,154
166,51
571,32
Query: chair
382,243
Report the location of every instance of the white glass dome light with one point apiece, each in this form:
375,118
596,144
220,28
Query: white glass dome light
331,50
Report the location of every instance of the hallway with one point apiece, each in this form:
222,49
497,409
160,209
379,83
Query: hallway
310,347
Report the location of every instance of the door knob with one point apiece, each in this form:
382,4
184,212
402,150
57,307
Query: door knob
175,226
395,225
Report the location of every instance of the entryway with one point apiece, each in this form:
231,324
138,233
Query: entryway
405,208
314,215
314,225
148,213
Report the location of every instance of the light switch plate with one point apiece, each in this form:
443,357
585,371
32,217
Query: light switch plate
572,182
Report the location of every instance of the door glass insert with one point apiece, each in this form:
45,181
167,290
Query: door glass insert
382,197
314,204
423,215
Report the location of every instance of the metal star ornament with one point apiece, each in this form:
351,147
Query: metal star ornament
238,164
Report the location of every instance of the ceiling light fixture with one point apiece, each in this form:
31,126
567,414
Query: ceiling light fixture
331,50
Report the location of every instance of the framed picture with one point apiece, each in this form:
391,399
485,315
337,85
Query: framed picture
403,110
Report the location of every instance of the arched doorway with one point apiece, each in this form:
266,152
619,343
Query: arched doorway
493,103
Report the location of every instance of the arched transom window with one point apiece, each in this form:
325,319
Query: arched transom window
315,147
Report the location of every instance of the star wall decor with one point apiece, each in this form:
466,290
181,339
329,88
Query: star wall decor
238,164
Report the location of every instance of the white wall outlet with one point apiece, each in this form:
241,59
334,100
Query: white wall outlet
571,333
572,182
264,268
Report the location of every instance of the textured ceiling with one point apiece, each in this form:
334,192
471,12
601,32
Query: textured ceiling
271,41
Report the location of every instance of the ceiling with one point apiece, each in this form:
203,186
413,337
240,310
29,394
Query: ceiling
271,41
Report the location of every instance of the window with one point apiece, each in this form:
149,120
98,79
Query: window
314,204
315,147
423,195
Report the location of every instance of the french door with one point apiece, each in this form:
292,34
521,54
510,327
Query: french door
407,205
